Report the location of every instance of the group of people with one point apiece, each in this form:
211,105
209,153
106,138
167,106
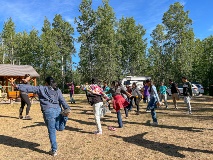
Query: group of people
121,97
56,110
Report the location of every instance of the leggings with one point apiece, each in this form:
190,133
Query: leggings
25,100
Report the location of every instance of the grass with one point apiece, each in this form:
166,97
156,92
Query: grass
178,135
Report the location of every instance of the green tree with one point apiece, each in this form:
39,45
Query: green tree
8,37
49,61
62,32
85,27
130,37
158,57
105,48
179,40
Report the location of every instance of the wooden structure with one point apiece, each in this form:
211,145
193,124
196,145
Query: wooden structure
15,73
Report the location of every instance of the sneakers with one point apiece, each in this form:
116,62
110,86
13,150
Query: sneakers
53,153
20,116
154,124
148,111
27,118
97,133
189,112
65,112
166,107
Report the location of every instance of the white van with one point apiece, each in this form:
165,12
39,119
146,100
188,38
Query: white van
139,80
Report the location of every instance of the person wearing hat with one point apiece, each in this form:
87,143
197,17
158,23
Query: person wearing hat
51,100
154,101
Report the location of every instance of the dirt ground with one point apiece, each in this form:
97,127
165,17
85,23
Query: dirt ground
178,135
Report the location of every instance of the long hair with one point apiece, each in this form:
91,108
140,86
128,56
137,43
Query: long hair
51,82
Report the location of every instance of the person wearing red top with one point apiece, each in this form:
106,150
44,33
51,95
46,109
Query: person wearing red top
118,100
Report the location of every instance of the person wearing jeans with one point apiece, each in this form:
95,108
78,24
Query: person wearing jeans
154,101
51,101
119,101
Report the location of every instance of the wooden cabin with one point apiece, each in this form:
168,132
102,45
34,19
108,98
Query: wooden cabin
15,73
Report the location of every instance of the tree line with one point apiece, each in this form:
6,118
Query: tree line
111,48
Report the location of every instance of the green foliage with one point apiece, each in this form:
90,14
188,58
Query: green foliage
173,45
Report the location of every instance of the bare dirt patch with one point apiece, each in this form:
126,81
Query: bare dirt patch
178,135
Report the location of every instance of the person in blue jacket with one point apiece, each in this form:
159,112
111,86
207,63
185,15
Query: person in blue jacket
51,100
154,101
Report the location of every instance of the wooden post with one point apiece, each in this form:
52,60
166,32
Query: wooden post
6,85
12,82
35,82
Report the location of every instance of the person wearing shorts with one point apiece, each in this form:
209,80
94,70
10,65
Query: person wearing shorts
174,92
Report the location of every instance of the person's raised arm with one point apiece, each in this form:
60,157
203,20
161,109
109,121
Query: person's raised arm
26,88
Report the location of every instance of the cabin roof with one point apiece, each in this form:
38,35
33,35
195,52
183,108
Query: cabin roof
8,70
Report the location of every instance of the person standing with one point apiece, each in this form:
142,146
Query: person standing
51,100
119,101
137,96
154,101
129,99
187,93
94,95
174,92
106,88
163,94
146,95
71,90
25,99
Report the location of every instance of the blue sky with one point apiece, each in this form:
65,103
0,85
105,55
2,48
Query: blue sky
29,14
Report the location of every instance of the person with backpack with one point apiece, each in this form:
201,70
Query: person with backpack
187,93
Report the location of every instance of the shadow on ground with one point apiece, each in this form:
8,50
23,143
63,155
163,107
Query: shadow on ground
14,142
191,129
168,149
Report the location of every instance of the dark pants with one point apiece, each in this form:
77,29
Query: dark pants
25,100
120,123
130,104
71,98
136,100
154,116
126,111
